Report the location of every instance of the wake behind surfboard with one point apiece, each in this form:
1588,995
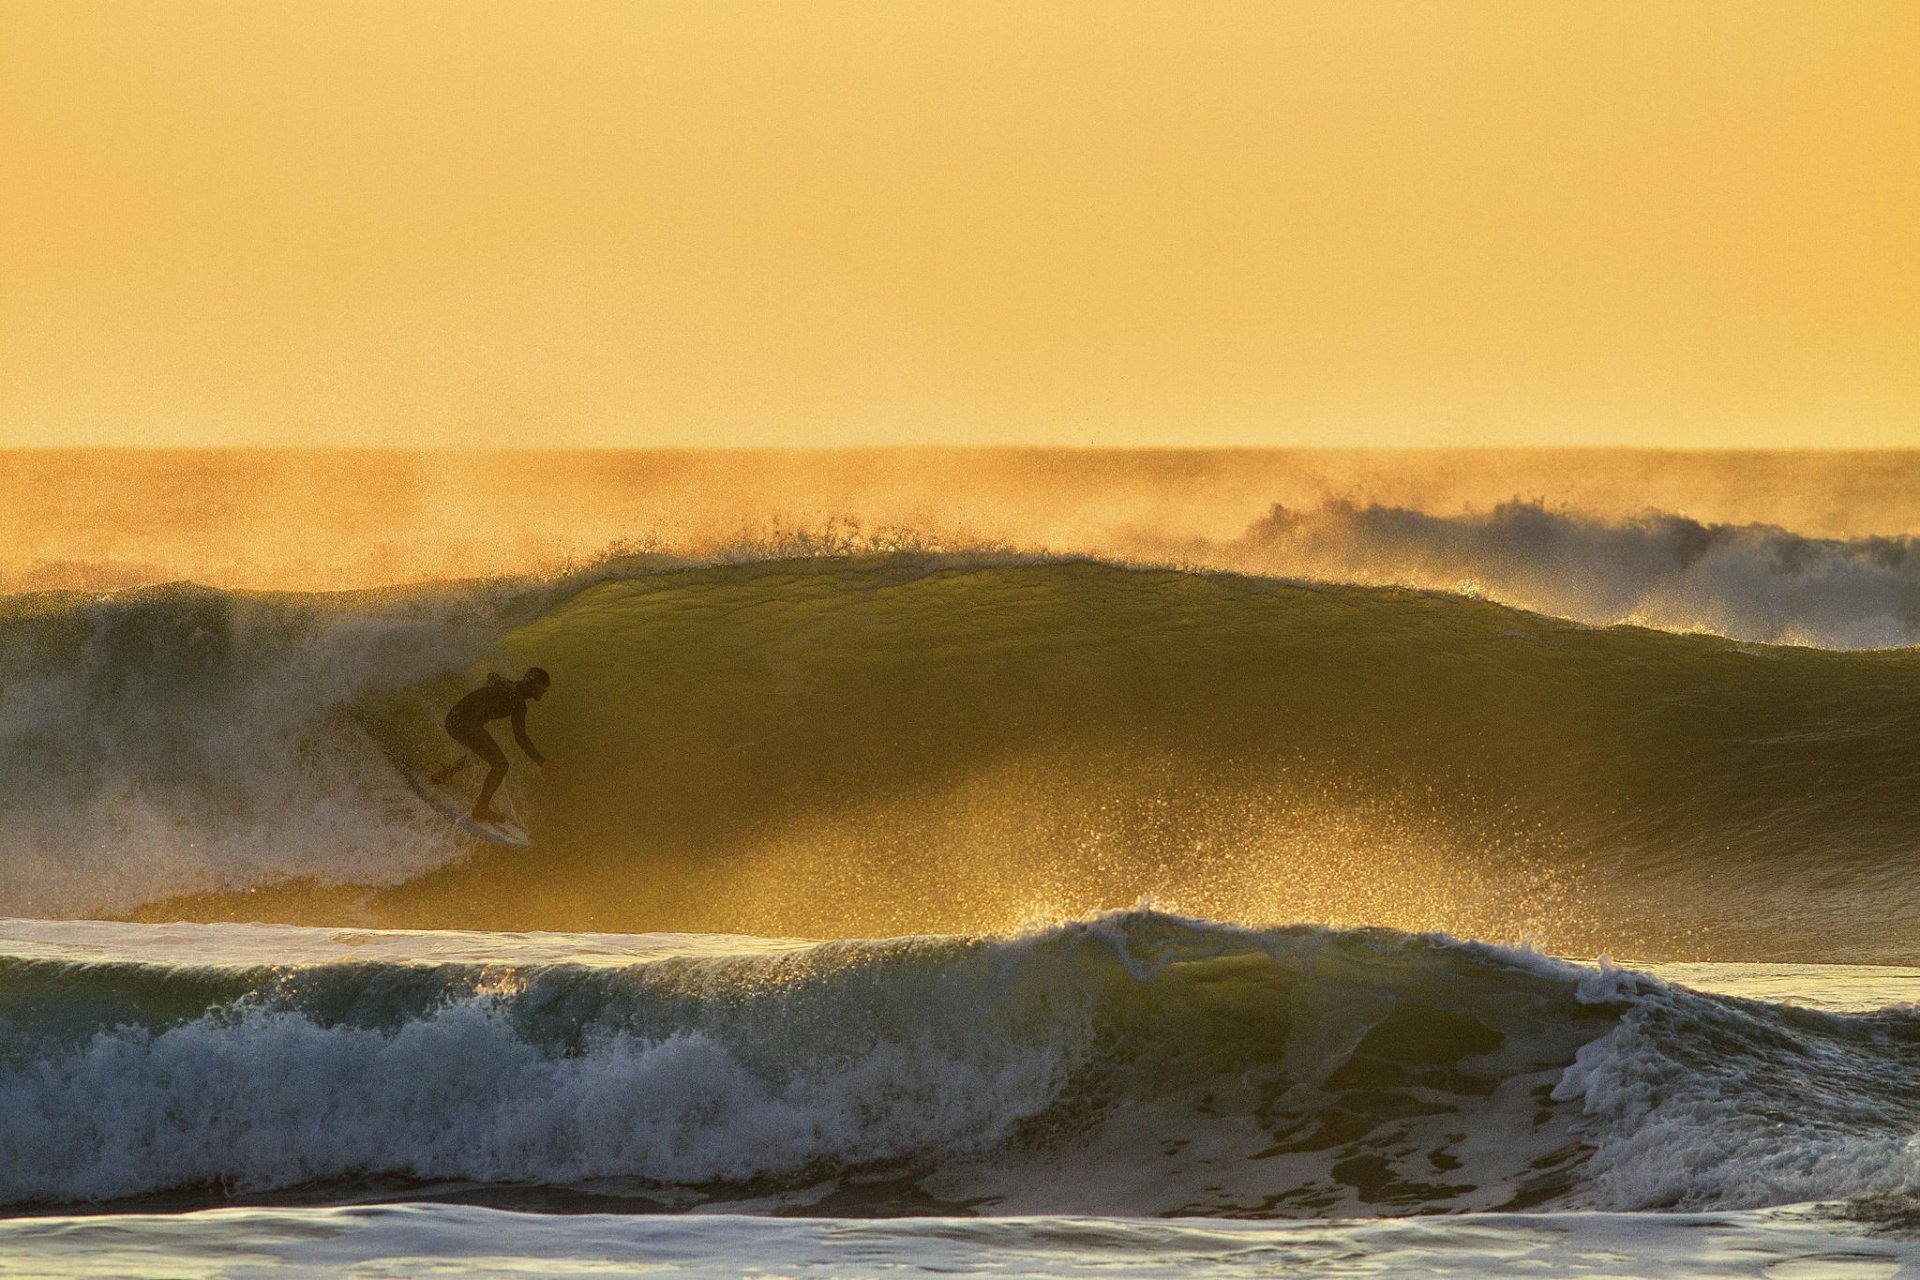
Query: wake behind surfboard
456,805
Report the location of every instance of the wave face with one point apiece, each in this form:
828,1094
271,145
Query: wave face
1133,1064
865,745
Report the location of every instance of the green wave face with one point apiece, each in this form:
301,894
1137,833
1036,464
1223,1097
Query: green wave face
901,744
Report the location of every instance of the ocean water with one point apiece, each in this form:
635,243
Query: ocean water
1425,871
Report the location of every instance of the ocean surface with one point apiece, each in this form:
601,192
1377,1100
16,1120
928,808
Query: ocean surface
999,863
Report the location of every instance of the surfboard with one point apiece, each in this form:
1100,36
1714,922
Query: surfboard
456,806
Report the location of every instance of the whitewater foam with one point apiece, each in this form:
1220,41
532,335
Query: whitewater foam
183,739
1693,1103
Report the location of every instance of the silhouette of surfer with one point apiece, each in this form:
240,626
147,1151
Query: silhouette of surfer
467,725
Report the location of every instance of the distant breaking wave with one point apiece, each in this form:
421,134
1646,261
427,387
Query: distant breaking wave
1134,1064
1746,582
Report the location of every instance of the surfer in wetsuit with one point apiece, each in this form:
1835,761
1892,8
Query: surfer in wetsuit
467,724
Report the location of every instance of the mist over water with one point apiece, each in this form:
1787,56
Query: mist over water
299,520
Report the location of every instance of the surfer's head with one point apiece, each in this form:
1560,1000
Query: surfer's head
535,682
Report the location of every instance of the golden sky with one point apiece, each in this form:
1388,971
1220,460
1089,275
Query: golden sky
1078,221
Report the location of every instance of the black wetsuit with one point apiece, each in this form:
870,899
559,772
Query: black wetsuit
467,722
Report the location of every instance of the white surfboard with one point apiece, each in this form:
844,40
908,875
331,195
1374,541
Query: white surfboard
455,804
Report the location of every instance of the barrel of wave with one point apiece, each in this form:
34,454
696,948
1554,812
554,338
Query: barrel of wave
899,744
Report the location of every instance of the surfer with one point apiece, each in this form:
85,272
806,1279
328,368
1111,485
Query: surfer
467,725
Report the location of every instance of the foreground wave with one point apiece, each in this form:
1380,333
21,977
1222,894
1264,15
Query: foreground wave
1133,1064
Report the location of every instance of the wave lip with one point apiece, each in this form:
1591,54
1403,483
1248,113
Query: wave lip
1136,1063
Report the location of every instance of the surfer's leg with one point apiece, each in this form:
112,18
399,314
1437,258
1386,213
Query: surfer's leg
487,749
462,733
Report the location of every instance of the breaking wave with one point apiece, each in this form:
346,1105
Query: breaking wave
864,745
1136,1063
1743,581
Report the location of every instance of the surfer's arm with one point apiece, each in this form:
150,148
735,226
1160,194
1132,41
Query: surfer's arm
520,735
